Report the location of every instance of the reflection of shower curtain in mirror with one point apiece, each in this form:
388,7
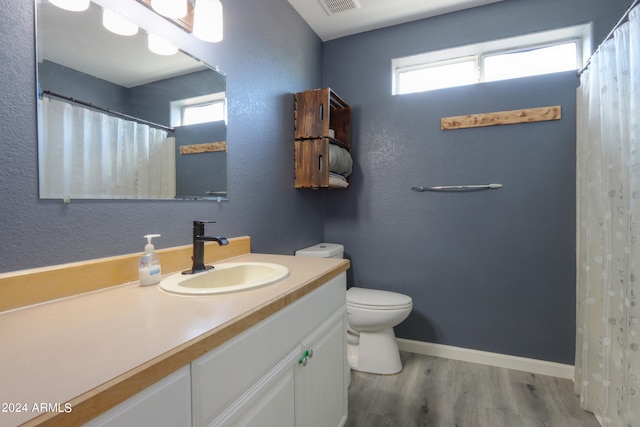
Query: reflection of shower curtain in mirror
89,154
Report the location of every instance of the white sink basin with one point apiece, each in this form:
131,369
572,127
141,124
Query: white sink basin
225,278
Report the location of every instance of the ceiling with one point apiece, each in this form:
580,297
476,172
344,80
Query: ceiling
332,19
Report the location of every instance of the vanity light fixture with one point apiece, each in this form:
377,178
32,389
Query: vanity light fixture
72,5
118,24
207,20
170,8
160,46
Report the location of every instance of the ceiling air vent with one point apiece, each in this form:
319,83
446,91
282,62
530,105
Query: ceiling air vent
337,6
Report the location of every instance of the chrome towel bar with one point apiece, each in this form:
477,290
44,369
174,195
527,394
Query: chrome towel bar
457,187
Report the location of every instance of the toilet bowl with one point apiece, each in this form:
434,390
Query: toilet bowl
371,317
371,342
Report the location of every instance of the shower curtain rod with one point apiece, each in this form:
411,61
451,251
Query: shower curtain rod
620,22
107,110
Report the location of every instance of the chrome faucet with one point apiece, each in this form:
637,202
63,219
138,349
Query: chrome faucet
198,247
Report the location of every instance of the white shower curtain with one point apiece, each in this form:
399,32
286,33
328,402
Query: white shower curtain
84,153
607,367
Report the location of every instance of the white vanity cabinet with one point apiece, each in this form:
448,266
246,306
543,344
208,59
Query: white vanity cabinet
261,377
167,403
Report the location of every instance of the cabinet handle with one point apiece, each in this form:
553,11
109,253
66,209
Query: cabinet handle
307,355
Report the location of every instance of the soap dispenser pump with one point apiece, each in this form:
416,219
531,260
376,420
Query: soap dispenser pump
149,266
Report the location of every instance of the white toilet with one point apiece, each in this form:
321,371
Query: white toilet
371,315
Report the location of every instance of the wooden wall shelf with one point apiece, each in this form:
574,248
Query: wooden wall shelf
527,115
316,113
207,147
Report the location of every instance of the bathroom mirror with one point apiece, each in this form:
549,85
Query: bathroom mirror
117,121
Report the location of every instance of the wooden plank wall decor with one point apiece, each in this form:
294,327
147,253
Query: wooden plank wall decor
207,147
527,115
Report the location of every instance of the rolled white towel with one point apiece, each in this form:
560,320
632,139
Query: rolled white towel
337,180
340,160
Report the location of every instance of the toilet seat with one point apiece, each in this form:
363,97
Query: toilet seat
374,299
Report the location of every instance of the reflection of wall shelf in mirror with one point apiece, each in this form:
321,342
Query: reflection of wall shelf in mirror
186,22
316,113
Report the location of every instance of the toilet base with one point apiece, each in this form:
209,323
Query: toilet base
374,352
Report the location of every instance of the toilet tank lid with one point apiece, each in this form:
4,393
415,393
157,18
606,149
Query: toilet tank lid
321,250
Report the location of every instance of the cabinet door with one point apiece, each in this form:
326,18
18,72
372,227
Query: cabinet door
166,403
269,403
321,384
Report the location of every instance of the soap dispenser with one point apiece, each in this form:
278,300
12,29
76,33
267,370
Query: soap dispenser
149,266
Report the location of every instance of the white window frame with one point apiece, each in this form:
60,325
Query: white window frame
582,34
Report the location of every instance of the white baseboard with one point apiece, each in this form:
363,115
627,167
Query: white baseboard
534,366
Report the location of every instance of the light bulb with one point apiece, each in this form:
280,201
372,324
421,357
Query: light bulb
160,46
118,24
72,5
207,20
170,8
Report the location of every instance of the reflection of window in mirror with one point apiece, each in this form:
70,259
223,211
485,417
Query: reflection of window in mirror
203,113
200,109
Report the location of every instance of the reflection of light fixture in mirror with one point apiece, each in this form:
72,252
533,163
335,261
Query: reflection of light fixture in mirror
72,5
207,20
118,24
170,8
160,46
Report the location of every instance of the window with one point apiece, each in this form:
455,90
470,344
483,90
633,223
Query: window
542,53
532,62
438,76
203,113
201,109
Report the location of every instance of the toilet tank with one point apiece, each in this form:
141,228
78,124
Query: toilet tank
322,250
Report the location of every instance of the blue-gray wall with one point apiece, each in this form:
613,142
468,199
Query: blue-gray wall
490,270
268,53
71,83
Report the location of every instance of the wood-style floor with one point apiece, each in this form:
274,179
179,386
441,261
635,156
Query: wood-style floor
438,392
